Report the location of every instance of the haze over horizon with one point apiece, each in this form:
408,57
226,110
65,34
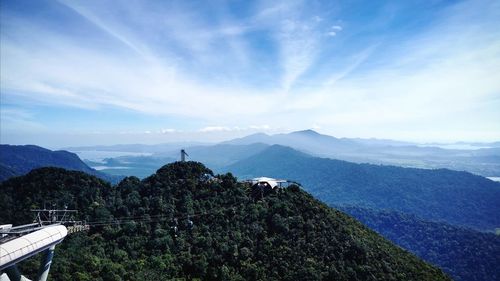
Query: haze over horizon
92,72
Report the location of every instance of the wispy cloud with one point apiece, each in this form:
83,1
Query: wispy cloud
283,64
334,30
439,81
260,127
299,48
214,129
356,61
167,131
109,28
18,120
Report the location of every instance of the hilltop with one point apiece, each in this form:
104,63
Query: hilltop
287,235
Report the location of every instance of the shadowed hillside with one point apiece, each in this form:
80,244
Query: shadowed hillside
442,195
463,253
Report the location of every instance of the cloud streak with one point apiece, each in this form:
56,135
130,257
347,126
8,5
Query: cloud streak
276,64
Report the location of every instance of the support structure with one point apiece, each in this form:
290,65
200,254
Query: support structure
43,272
13,273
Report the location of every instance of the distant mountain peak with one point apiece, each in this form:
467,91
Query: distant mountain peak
306,132
253,138
259,134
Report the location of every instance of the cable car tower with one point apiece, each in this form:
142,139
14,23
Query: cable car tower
183,155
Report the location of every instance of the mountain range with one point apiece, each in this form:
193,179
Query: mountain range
481,161
438,214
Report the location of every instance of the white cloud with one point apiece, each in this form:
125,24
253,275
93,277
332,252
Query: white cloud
296,35
167,131
334,30
443,81
110,29
357,60
210,129
260,127
317,19
53,70
299,46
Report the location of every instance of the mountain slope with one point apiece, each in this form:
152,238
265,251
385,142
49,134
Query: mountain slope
442,195
287,235
16,160
484,162
463,253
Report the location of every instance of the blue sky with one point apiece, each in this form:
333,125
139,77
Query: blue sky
104,72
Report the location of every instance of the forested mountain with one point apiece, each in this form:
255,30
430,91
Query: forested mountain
16,160
458,198
463,253
485,162
285,235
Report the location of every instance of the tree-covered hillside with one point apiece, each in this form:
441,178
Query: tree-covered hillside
285,235
17,160
465,254
458,198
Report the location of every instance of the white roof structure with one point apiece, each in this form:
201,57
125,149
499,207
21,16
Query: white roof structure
272,182
30,244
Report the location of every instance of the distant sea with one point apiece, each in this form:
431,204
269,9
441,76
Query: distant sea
99,156
494,178
100,168
464,146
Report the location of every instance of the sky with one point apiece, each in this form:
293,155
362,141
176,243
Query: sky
108,72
